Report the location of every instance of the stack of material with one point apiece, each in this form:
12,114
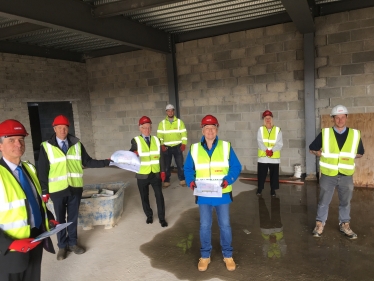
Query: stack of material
104,208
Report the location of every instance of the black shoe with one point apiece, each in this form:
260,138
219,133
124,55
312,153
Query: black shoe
163,223
149,220
258,194
77,250
61,255
273,194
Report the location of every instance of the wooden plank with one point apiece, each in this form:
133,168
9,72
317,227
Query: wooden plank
280,181
364,174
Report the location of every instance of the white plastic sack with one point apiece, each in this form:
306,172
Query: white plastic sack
126,160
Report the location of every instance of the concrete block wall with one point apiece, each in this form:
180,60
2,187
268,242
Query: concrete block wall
31,79
236,77
123,88
345,62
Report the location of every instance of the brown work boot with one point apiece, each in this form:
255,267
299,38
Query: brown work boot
318,230
182,183
61,255
203,264
230,264
166,185
346,229
77,250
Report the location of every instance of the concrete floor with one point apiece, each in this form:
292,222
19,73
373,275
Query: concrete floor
134,250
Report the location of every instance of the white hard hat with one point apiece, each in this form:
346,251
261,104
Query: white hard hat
169,106
339,109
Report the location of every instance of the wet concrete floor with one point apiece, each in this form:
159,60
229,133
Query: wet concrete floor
272,238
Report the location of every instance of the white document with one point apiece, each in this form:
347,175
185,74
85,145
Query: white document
208,188
46,234
126,160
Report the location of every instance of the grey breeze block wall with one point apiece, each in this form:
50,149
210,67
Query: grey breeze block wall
236,77
345,62
31,79
123,88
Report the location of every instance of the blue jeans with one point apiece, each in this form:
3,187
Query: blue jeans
344,185
178,157
223,215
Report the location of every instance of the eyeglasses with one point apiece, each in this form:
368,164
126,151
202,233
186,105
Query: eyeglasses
210,128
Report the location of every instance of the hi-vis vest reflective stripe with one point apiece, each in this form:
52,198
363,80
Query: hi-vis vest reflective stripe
65,170
269,140
13,205
333,160
215,167
172,134
149,156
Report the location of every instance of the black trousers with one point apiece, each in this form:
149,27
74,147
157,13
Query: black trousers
178,157
33,270
272,219
67,205
143,185
262,171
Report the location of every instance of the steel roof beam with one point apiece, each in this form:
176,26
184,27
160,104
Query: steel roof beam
36,51
300,14
234,27
121,7
75,16
19,29
343,6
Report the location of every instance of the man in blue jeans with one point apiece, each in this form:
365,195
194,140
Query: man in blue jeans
214,160
337,148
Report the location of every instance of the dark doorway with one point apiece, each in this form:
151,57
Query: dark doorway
41,118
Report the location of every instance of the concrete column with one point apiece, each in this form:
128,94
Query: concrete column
171,69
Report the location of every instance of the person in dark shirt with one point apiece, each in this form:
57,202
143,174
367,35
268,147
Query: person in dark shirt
337,148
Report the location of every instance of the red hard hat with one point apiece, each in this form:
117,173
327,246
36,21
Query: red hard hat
61,120
267,113
209,120
144,119
12,127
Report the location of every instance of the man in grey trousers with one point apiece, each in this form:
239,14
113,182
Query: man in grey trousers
337,148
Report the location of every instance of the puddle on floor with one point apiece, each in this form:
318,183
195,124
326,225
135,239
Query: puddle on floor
272,239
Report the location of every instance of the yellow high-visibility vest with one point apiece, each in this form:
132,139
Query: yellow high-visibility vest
333,160
215,167
65,170
269,140
149,156
172,134
13,206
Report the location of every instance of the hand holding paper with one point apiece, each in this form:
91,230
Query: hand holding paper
126,160
23,245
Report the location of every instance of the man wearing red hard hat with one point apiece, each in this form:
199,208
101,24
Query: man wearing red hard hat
270,142
152,171
215,161
60,173
23,214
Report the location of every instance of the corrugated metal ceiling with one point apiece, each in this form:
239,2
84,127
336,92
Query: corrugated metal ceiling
176,18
